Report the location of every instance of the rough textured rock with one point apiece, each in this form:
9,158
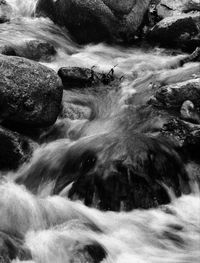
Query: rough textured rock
37,50
7,50
179,31
75,77
5,11
181,117
15,150
172,97
99,20
176,7
73,111
30,94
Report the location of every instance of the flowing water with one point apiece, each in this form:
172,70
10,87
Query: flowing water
57,229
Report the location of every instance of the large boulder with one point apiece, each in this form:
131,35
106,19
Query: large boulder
97,20
179,31
30,93
15,150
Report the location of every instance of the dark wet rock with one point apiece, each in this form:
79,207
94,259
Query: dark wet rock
7,50
95,21
11,248
30,94
37,50
5,11
96,252
182,132
76,77
179,31
185,135
15,150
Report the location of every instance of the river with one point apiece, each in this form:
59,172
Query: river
165,234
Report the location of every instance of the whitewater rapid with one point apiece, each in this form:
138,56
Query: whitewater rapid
168,234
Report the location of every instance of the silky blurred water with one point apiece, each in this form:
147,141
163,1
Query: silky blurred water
168,234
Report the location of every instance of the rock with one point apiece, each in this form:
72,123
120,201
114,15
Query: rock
5,11
96,21
183,133
173,96
37,50
7,50
73,111
180,107
30,93
76,77
176,7
188,112
178,31
15,150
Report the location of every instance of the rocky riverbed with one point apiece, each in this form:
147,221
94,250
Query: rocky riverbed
99,103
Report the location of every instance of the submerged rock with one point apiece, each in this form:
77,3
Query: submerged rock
5,11
15,150
95,21
37,50
73,111
116,171
30,93
128,174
